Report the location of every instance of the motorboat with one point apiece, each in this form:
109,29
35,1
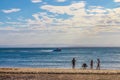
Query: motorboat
57,50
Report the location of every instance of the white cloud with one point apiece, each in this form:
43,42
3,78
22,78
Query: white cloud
117,0
60,0
74,8
97,10
36,1
11,10
82,20
85,19
93,24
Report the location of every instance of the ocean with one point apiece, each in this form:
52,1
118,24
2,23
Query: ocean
47,58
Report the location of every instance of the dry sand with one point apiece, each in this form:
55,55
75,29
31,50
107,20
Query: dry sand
57,74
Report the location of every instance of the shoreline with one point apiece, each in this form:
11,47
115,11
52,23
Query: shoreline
57,74
58,71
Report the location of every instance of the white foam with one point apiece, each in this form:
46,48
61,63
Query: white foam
46,50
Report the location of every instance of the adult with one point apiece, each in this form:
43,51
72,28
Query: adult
91,64
73,63
98,64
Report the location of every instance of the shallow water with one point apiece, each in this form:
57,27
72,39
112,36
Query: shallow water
47,58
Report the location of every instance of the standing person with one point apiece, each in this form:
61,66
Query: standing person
73,63
98,64
91,64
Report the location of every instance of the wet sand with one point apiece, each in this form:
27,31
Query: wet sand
57,74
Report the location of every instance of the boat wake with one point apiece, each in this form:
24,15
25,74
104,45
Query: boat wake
46,50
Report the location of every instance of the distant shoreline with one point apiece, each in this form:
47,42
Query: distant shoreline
66,47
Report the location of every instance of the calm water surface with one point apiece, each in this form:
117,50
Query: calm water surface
47,58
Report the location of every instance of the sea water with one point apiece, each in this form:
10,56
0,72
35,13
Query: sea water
47,58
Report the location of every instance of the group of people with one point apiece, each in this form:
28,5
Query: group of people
84,65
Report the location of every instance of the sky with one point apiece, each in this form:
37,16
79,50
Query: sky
57,23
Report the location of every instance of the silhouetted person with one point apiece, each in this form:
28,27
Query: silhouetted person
91,64
84,65
73,63
98,64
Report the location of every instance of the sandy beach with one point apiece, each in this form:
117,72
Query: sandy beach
57,74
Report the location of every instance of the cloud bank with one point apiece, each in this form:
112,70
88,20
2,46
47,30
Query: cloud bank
94,25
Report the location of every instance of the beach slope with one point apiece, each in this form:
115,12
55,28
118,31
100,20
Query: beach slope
57,74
